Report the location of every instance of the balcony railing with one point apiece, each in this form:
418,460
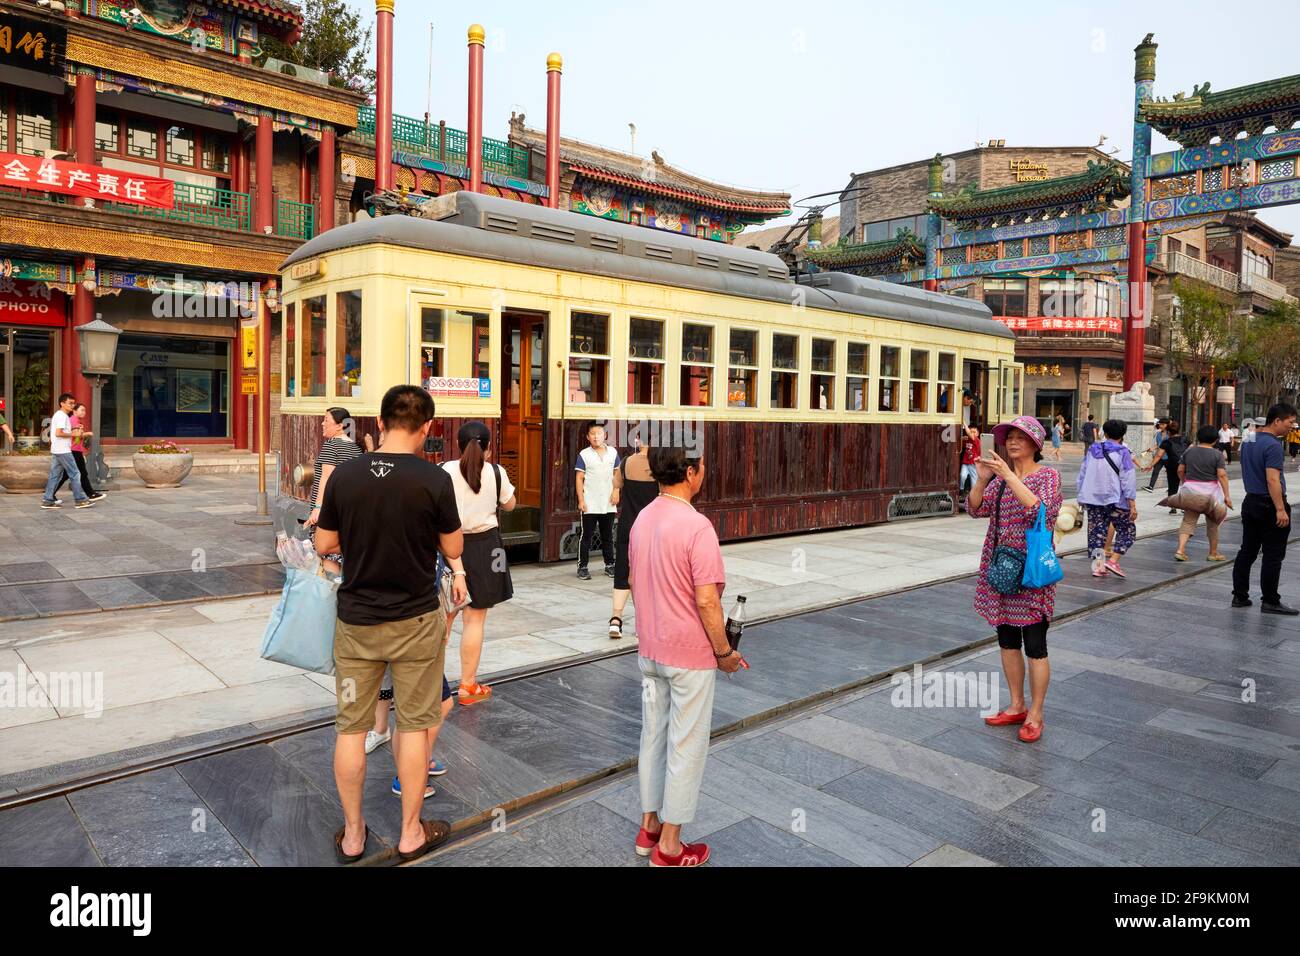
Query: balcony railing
441,142
296,220
1181,264
1269,288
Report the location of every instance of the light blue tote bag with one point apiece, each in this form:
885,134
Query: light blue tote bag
1042,567
301,629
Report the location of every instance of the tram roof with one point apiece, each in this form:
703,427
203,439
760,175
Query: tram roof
490,227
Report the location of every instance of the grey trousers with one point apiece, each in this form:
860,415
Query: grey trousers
676,716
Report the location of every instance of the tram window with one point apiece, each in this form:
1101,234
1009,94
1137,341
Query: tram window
697,365
482,346
855,380
431,345
289,338
313,337
588,357
785,374
947,383
890,359
822,393
645,366
742,379
347,344
919,381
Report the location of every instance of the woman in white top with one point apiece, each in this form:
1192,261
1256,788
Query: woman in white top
481,487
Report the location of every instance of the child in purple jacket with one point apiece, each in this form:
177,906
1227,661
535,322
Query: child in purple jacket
1108,491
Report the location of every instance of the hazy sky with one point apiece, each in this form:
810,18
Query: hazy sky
798,96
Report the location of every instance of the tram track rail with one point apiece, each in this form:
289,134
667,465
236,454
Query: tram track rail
470,825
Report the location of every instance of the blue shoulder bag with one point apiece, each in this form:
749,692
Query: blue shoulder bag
1042,567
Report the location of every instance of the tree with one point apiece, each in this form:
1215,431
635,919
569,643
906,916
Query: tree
1201,338
332,41
1269,350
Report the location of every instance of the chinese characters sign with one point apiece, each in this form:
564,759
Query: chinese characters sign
31,44
31,303
1042,323
78,179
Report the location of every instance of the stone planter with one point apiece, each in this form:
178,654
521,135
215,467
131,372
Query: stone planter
23,474
162,471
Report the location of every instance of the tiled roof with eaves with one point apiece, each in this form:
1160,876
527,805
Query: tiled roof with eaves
1207,107
903,247
279,10
1101,182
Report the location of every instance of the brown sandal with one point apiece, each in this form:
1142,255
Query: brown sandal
338,847
436,833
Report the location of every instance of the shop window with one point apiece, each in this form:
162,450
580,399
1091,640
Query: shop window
947,394
35,123
856,378
821,394
742,374
697,365
432,345
875,232
588,357
645,366
141,139
347,344
919,381
168,387
785,371
1006,296
106,131
180,146
289,336
313,339
890,375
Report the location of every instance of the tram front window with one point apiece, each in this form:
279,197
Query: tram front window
347,344
313,340
431,345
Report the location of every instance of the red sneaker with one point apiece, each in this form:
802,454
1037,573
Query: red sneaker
646,841
693,854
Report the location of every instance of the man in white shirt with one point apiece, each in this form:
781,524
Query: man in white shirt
1225,440
61,460
598,482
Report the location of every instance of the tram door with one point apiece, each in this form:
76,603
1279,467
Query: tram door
975,379
523,342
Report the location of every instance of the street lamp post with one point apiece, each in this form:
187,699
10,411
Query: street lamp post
98,358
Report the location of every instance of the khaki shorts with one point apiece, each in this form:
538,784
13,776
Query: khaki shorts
415,650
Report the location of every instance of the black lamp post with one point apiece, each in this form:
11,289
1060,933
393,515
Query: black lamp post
98,358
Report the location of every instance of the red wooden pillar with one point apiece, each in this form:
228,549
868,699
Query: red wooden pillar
83,311
474,132
383,95
325,180
83,121
264,207
554,67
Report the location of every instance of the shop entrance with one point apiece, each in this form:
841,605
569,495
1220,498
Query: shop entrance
26,381
523,344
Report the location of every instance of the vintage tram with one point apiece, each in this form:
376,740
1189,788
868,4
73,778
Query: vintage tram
821,403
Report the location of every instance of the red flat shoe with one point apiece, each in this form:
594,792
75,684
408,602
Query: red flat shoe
1031,732
1003,719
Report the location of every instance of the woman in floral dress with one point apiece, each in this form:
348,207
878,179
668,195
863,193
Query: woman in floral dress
1009,491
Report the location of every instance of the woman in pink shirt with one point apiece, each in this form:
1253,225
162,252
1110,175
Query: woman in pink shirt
79,451
677,579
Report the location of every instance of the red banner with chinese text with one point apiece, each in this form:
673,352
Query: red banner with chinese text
1044,323
79,179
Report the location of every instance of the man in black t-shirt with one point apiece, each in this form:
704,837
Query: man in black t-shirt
1089,431
389,513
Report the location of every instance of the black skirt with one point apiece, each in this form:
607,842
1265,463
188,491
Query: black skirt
487,575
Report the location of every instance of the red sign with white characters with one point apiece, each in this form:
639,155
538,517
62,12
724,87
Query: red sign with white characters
31,303
1043,323
78,179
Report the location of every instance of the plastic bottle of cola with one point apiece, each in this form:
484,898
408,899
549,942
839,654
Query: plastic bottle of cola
736,622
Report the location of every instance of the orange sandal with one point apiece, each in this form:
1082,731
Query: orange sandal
473,693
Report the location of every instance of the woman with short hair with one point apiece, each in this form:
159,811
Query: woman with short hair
1204,471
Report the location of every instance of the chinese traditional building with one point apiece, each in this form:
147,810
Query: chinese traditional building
647,191
152,174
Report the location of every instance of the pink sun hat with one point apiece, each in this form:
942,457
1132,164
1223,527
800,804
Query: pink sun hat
1025,423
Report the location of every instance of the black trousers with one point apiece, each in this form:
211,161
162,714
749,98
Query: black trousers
1259,532
589,524
1226,448
1172,475
85,478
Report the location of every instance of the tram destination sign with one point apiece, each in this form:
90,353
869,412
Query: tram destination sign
31,44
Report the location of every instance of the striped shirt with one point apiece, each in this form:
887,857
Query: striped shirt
334,451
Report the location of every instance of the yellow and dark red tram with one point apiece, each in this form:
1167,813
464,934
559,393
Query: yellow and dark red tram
821,403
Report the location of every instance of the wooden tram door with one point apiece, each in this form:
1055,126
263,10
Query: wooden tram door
524,356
